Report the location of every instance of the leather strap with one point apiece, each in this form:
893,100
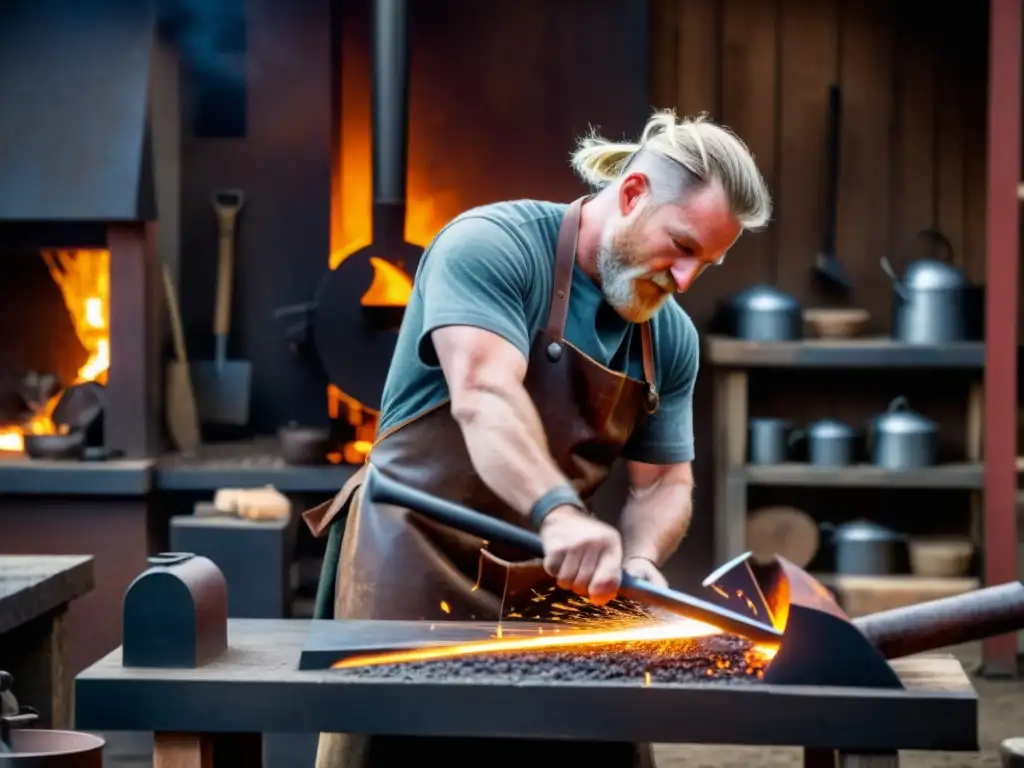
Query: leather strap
653,399
565,258
559,496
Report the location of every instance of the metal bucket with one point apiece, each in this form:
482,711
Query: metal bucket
37,748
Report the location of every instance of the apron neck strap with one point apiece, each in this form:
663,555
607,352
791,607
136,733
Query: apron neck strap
565,259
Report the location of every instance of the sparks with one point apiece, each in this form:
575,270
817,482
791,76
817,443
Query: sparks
682,629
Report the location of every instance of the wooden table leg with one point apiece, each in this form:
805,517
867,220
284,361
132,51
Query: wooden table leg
819,758
207,750
877,760
36,655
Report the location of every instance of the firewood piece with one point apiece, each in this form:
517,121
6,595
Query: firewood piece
253,503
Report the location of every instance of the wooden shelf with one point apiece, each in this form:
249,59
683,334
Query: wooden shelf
873,352
967,476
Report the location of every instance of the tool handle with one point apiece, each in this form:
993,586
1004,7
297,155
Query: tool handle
949,621
383,489
177,332
227,204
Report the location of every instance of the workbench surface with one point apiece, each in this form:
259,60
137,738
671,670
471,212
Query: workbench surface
257,687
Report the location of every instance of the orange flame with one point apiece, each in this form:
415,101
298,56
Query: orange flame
83,277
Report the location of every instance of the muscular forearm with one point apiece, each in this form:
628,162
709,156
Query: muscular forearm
507,444
655,520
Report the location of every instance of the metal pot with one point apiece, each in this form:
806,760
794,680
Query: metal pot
764,313
769,440
831,443
934,302
863,548
902,439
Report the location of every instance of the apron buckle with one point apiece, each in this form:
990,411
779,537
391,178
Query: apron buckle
653,400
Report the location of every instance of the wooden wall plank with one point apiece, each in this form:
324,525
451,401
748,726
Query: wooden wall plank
866,56
749,48
913,165
809,58
949,129
664,52
699,36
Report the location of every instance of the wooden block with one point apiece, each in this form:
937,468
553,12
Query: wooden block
253,503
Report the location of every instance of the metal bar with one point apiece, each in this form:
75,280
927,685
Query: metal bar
383,489
1001,309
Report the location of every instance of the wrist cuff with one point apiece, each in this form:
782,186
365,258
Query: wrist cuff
558,496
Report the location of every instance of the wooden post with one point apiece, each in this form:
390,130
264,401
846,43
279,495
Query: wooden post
730,436
1001,305
132,419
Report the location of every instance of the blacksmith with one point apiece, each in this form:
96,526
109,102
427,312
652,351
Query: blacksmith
542,343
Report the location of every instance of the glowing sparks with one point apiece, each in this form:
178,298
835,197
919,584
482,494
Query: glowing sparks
445,607
683,629
647,679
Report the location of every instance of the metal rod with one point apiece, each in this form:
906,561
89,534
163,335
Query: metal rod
949,621
380,488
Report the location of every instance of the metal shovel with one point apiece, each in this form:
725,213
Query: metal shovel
222,385
383,489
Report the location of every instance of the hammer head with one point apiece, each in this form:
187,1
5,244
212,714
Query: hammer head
820,645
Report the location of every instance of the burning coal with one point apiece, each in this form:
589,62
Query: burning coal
584,641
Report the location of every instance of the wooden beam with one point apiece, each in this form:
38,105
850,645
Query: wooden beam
1001,306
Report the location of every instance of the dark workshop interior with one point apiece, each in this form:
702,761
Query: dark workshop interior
211,213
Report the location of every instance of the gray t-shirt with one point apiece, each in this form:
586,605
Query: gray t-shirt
492,268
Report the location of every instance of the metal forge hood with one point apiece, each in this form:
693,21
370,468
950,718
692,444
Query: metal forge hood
74,86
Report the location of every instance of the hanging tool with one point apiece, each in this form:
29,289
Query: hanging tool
826,266
222,385
180,406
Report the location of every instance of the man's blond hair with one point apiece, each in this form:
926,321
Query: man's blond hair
677,155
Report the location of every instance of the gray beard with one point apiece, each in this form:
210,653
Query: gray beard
618,284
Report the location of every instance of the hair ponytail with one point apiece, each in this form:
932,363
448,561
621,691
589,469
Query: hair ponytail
599,162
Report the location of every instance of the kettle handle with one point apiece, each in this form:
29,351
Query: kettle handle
936,237
898,404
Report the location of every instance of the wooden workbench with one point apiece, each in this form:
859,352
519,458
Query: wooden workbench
257,687
35,592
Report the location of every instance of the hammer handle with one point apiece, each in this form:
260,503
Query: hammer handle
949,621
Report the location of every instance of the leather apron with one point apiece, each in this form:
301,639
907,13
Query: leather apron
395,564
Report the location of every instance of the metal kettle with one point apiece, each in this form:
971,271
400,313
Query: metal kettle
901,439
934,302
764,313
864,548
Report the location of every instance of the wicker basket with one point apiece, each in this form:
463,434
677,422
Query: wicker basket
941,557
827,323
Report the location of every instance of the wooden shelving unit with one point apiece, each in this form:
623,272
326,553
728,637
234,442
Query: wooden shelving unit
732,359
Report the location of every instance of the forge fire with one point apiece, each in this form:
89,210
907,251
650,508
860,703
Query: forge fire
622,642
83,278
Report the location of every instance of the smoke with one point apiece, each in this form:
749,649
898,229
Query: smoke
209,34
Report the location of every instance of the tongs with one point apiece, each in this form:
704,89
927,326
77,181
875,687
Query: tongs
381,489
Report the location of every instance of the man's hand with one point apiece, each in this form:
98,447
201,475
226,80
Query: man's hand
642,568
582,553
